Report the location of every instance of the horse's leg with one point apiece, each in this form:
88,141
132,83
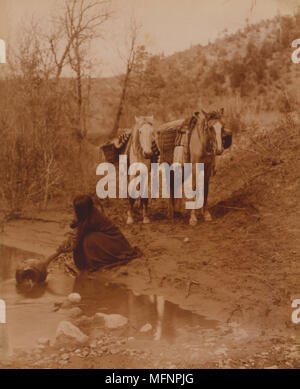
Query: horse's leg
160,309
193,218
207,172
146,219
130,211
171,200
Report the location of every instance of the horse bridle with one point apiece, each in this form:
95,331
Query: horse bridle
207,128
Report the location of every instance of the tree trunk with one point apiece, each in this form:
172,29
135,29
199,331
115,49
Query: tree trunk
121,104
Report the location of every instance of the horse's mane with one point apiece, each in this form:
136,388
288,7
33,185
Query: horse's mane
135,142
213,115
205,136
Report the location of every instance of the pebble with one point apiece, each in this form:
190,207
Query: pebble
57,305
74,298
146,328
93,345
65,356
186,240
44,341
111,321
75,312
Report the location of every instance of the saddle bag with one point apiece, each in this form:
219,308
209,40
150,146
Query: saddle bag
179,155
181,150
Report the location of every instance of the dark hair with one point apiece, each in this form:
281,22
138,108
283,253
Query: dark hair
83,206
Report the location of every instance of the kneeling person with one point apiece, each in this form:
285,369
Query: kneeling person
98,242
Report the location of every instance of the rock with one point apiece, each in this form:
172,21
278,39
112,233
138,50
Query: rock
74,298
93,344
65,357
66,304
146,328
44,341
99,319
57,305
112,321
186,240
66,332
75,312
84,321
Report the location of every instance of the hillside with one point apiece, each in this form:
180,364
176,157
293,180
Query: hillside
249,71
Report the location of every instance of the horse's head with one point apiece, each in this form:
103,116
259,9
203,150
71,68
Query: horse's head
143,135
215,128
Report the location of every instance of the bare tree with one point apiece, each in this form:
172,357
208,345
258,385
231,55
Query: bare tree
129,60
81,23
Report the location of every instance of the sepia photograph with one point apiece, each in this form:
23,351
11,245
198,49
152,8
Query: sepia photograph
149,187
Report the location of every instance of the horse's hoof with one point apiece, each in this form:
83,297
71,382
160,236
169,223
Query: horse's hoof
157,335
207,216
193,221
146,220
129,220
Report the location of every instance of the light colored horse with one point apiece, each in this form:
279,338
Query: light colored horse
140,150
205,143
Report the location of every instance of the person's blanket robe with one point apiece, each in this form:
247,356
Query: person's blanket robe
100,243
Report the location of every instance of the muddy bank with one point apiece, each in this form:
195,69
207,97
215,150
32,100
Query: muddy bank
143,331
249,331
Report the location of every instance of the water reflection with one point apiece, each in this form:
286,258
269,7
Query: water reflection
32,316
168,320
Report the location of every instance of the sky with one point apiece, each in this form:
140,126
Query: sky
167,26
